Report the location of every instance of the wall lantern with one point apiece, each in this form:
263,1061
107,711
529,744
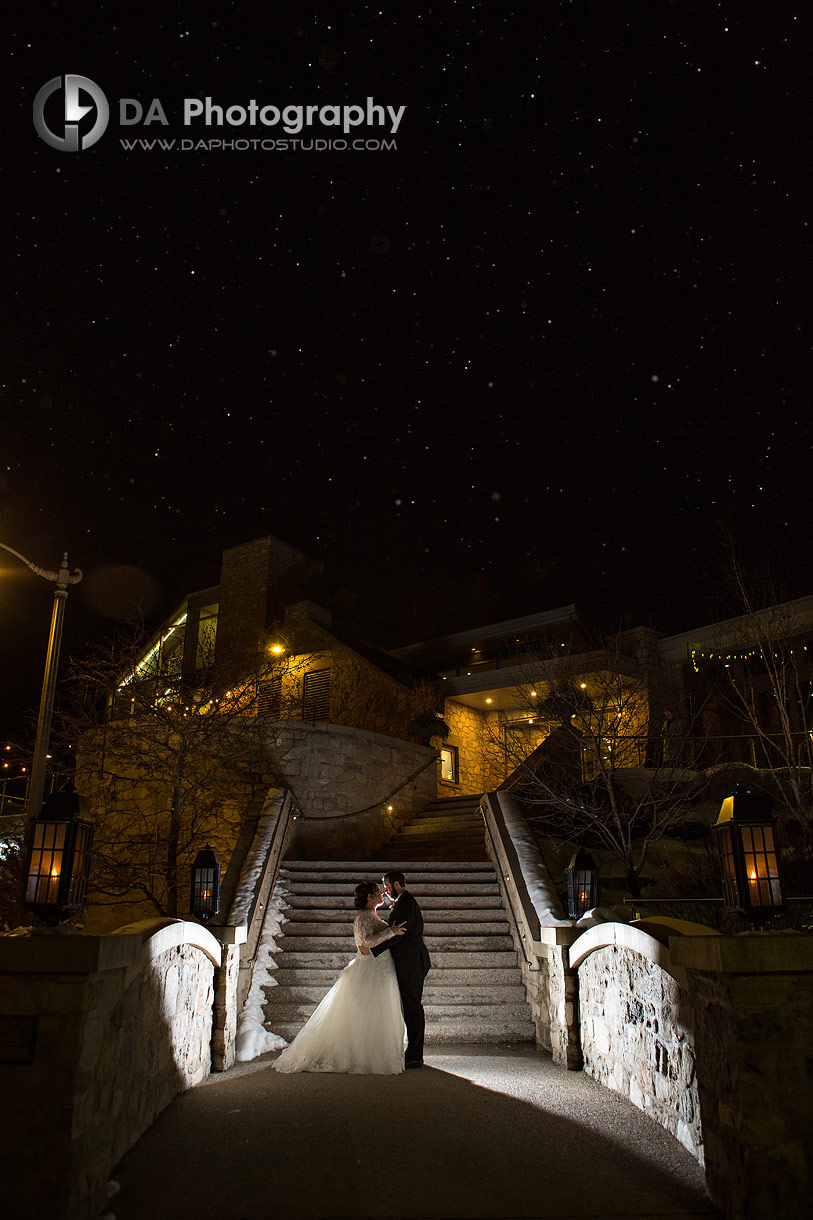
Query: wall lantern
58,858
749,854
204,900
582,884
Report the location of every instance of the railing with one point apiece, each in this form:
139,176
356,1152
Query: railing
14,790
511,880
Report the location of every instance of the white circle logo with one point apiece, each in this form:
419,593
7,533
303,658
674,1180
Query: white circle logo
74,86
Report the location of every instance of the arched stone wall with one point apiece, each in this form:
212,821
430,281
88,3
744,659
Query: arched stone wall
119,1025
637,1026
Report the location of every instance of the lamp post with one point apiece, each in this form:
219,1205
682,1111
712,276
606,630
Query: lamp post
63,578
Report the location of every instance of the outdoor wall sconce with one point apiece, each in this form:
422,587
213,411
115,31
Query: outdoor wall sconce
582,884
749,854
204,900
58,858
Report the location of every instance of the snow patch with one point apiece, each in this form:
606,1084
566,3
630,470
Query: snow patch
253,1038
255,862
534,873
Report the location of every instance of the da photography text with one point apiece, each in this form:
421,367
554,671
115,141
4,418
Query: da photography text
71,114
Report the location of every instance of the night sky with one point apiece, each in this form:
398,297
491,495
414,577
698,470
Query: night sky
545,350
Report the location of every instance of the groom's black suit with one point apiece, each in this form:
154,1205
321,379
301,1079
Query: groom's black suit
411,960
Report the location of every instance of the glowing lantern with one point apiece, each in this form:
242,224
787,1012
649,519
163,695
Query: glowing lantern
58,858
582,884
749,854
204,900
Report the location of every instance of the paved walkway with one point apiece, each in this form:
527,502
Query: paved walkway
479,1132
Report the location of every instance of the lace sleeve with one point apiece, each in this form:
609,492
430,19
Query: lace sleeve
369,930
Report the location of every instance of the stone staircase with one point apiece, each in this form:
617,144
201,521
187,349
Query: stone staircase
449,828
474,991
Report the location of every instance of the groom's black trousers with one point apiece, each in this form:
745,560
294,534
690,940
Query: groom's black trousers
410,984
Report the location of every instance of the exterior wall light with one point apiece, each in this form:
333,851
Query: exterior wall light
58,858
749,854
582,884
204,899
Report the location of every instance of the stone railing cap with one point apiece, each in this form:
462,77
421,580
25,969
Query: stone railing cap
156,936
66,954
230,934
559,935
750,953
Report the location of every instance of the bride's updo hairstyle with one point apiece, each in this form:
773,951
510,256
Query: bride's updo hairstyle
362,893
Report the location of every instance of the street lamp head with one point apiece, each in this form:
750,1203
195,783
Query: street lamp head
58,858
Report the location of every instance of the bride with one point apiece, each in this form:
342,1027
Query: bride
359,1025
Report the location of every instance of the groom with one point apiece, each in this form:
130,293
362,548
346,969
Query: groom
411,960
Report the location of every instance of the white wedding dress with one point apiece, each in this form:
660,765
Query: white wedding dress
359,1026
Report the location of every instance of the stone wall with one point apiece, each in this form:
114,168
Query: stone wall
343,779
107,1031
257,579
467,729
753,1001
225,1005
480,741
361,695
637,1037
552,990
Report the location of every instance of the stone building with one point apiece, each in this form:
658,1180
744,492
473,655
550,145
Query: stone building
334,712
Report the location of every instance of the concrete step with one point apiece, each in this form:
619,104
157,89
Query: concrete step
459,959
441,1031
449,806
411,840
431,916
446,847
434,1012
435,944
340,877
352,867
426,833
438,902
321,977
433,993
459,889
323,930
384,859
462,824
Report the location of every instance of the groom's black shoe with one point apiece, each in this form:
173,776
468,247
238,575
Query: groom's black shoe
414,1063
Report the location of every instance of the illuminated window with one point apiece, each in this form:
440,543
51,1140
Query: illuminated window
449,764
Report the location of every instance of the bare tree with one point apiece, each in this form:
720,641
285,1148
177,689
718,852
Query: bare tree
597,777
166,765
758,672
